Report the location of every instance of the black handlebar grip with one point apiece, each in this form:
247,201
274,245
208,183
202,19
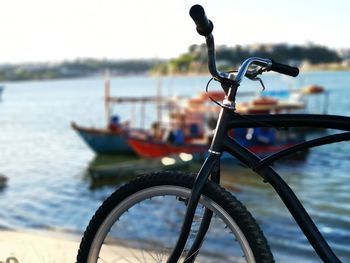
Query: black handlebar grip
284,69
204,25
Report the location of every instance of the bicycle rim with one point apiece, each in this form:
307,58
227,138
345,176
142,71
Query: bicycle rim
144,228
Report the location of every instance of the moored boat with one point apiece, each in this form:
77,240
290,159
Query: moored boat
1,90
195,117
3,181
104,141
261,141
112,139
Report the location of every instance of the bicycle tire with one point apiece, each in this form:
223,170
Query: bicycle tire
147,190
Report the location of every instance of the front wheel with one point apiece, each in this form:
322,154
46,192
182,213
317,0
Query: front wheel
141,222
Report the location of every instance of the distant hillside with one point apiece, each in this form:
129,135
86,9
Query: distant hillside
74,69
193,61
228,58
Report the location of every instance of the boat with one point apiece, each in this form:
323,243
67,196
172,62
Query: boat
1,90
104,140
313,89
3,181
194,121
195,117
112,139
261,141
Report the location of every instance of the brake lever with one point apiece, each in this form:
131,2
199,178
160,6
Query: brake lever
261,82
253,75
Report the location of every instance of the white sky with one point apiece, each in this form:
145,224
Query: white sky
54,30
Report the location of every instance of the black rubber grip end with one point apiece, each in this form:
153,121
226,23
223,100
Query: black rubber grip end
204,25
284,69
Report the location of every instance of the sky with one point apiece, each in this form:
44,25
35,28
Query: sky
56,30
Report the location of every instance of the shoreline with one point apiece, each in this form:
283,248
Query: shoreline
48,246
38,246
302,70
308,69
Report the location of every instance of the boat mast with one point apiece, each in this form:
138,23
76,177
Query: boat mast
107,88
142,115
159,100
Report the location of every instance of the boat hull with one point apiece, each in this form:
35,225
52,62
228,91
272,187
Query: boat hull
152,149
103,141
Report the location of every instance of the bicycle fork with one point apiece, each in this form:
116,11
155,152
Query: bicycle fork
210,167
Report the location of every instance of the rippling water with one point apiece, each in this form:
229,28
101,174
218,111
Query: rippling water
46,162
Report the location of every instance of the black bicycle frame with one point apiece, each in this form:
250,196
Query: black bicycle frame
262,166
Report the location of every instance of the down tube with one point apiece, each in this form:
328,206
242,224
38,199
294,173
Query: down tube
288,197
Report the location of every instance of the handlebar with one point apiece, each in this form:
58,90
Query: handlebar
284,69
205,27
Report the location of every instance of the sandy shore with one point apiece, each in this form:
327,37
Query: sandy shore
38,247
55,247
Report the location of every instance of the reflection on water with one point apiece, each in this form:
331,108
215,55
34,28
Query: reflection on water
114,169
47,164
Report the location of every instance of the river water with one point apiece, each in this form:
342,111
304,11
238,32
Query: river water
46,162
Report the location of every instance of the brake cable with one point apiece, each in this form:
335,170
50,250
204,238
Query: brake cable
251,76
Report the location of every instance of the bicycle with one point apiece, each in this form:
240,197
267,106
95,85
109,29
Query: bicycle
187,213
